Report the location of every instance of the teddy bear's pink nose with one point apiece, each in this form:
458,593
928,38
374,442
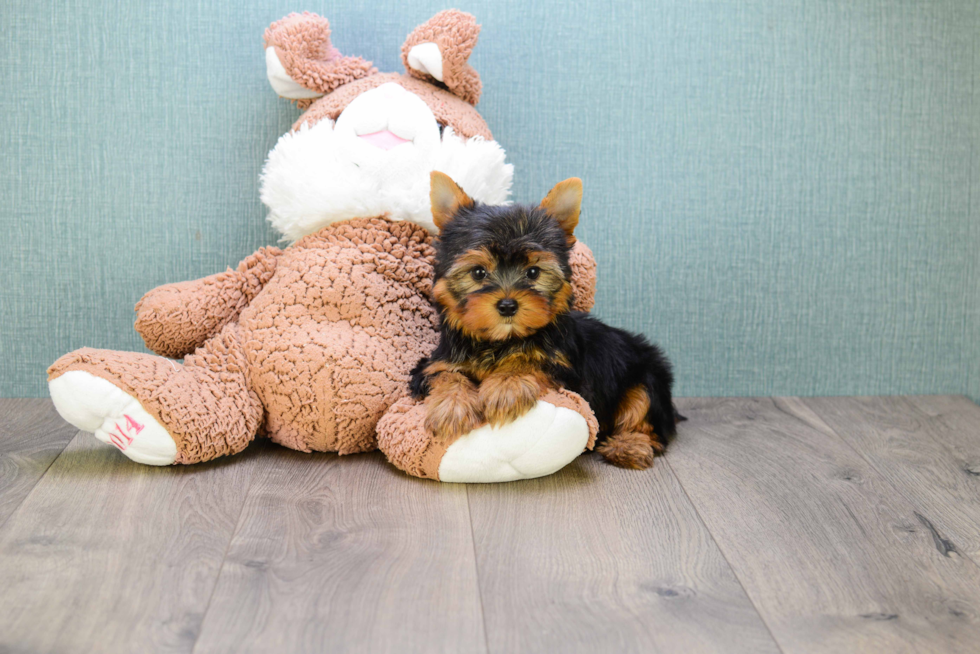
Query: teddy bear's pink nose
385,139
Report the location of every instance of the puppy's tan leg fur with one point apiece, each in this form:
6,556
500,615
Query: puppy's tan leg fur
633,443
452,406
627,450
507,396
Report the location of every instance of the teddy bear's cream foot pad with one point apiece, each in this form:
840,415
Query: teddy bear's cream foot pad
539,443
95,405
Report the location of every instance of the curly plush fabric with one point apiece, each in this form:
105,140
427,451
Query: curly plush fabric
455,32
176,319
583,276
337,331
302,43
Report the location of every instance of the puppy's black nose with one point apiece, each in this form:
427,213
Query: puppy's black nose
507,307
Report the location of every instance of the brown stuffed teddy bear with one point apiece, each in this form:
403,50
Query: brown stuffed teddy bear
311,345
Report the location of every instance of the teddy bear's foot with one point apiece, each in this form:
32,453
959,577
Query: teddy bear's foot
95,405
204,405
542,441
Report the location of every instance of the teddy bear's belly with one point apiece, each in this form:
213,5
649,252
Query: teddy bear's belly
327,359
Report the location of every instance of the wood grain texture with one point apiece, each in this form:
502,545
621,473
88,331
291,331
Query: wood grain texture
955,422
832,556
599,559
347,554
106,555
844,523
928,448
32,435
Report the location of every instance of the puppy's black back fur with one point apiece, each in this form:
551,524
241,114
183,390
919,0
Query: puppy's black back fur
606,362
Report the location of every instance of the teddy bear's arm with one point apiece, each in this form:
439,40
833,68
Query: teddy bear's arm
583,276
176,319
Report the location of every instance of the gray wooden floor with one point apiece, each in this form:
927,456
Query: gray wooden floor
792,525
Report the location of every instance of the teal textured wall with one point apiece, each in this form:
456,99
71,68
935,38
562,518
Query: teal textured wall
785,194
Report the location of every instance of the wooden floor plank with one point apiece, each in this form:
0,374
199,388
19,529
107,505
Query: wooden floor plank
848,522
346,554
599,559
956,424
106,555
32,435
832,556
905,440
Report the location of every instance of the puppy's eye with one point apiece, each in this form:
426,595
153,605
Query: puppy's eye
479,273
533,273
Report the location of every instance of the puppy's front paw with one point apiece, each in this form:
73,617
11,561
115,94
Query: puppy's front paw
507,397
452,415
628,450
452,407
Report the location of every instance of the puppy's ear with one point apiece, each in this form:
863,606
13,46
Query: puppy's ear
564,203
447,198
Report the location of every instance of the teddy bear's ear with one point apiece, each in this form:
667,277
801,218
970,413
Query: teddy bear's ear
300,62
438,50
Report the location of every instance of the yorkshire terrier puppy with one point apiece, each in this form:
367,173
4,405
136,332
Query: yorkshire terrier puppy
507,332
